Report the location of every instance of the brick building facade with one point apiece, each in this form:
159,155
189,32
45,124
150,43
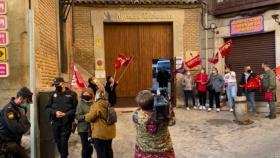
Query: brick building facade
90,18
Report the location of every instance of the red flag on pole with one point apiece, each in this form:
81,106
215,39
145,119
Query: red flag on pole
122,60
195,61
77,79
215,59
277,70
226,49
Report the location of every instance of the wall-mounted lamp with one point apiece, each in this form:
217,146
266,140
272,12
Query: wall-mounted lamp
276,18
213,27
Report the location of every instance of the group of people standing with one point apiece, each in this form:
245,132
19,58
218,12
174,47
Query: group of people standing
90,113
215,84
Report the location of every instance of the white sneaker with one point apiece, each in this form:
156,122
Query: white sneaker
200,107
218,110
209,109
203,107
231,110
195,107
188,108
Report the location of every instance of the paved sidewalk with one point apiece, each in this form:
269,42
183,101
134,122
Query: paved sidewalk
199,134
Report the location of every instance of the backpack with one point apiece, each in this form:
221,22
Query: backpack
112,115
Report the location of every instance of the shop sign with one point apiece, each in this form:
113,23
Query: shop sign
247,25
3,53
3,22
4,70
3,7
4,38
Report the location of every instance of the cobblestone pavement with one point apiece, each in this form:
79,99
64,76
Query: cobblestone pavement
199,134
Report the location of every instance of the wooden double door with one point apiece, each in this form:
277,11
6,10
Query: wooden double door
144,41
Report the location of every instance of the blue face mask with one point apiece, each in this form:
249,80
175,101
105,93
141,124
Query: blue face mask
24,105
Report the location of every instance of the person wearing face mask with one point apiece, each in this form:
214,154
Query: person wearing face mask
84,130
269,85
14,123
61,109
110,88
249,93
215,86
201,81
188,84
231,86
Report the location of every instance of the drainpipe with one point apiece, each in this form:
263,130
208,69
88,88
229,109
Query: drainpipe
206,40
32,82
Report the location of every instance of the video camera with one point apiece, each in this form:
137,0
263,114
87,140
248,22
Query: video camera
161,107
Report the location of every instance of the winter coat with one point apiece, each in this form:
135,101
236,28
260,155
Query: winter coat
97,116
216,82
269,80
82,109
112,95
187,82
201,80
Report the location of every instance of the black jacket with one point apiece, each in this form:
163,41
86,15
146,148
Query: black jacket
13,123
62,101
112,95
243,80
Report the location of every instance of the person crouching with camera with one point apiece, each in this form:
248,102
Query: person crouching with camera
152,135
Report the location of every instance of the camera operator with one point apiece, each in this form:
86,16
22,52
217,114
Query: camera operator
153,137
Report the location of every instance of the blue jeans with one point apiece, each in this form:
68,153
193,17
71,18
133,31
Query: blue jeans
231,93
251,99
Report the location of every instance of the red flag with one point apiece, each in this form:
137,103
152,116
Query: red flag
253,83
214,60
226,49
122,60
195,61
277,70
77,79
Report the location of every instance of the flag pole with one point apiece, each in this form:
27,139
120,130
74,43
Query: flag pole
125,69
115,73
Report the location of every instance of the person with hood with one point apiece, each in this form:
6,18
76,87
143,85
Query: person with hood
110,88
152,137
87,98
102,133
215,86
14,123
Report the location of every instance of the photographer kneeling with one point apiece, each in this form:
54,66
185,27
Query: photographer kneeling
152,134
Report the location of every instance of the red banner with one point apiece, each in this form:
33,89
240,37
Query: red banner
226,49
195,61
77,79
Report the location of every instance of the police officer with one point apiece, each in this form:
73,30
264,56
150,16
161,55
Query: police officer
61,109
14,123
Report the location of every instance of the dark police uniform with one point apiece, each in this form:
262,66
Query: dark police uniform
13,124
65,102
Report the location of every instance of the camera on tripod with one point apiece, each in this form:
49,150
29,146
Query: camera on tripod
161,107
